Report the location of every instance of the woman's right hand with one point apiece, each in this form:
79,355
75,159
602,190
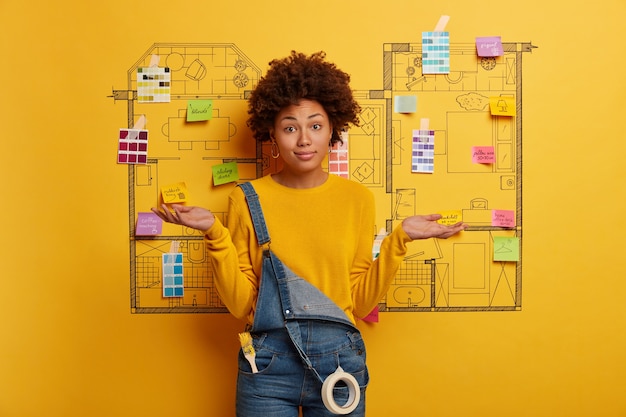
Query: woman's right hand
191,216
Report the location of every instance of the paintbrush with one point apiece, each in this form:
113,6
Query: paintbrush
248,350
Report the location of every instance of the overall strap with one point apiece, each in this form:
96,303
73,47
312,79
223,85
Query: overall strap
256,213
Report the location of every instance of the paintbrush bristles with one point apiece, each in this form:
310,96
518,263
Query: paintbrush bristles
248,350
245,339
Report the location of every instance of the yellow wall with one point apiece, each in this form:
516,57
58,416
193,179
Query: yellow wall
71,347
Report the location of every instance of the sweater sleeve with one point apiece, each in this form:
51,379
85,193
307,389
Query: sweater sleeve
234,277
372,281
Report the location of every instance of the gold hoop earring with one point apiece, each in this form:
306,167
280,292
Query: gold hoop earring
274,151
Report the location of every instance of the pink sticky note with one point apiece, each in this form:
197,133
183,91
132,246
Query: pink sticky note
372,317
503,218
489,46
148,224
483,155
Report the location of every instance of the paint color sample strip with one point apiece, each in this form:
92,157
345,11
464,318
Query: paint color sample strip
173,280
338,158
435,52
132,146
153,85
423,156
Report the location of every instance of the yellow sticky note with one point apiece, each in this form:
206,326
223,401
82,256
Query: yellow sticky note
224,173
199,110
174,193
502,106
450,217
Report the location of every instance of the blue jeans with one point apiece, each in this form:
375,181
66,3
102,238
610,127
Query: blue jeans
284,384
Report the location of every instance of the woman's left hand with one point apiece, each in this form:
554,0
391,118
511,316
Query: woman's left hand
426,226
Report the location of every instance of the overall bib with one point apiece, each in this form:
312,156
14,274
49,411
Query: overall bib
302,339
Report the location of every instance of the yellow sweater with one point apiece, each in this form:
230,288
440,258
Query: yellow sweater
323,234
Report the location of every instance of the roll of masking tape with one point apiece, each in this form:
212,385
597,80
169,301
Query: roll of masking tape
354,392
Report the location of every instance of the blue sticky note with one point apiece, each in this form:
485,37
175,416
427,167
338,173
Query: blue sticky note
405,104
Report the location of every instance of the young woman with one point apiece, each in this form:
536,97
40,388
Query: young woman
321,231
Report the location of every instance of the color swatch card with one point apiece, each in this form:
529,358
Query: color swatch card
153,85
338,162
173,279
435,52
132,146
423,153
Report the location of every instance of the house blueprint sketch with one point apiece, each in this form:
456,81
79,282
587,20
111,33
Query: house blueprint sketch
456,274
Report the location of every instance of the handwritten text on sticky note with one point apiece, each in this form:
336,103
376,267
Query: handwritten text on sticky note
483,155
489,46
503,218
225,173
148,224
174,193
199,110
450,217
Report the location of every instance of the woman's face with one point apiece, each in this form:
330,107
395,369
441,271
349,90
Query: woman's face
302,132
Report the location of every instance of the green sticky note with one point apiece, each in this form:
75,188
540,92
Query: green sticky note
405,104
506,249
225,173
199,110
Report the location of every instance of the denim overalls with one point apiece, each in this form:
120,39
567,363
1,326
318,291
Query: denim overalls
300,337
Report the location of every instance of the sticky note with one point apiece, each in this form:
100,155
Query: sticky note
503,218
225,173
450,217
148,224
489,46
174,193
199,110
483,155
502,106
505,249
405,104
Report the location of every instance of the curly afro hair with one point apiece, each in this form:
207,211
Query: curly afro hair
298,77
